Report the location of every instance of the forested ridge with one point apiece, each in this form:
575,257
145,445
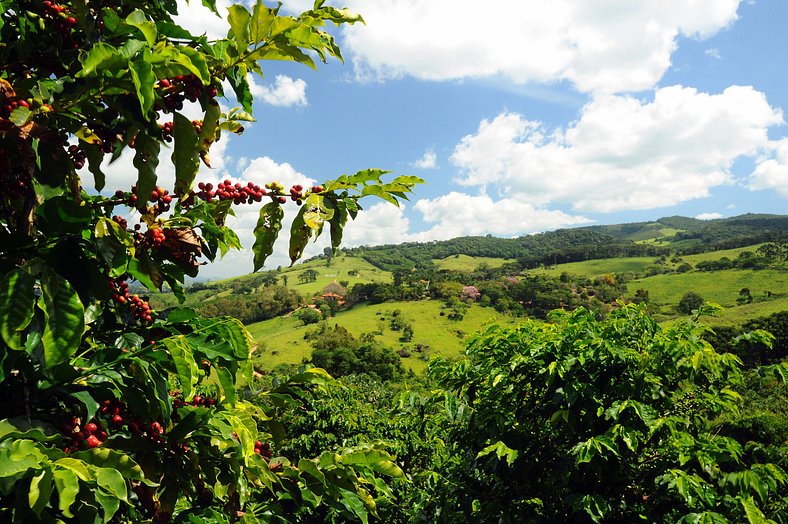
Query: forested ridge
588,243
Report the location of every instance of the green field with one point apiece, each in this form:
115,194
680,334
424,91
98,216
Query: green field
592,268
338,270
721,287
716,255
281,340
468,263
736,316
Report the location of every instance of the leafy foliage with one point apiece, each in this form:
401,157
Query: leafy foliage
608,421
110,409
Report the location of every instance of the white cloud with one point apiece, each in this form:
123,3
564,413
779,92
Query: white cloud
458,214
285,91
428,161
380,223
199,20
771,172
708,216
622,153
714,53
602,46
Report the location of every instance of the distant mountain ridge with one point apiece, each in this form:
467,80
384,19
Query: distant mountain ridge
669,234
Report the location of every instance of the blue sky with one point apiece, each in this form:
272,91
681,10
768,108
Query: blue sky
528,115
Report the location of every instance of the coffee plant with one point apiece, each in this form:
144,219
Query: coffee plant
581,420
110,410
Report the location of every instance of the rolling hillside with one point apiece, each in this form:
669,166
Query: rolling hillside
281,340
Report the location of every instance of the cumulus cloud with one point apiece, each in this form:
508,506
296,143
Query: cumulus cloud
771,171
708,216
428,161
285,91
458,214
199,20
601,46
714,53
622,153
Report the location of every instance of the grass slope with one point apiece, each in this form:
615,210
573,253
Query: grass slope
593,268
281,340
468,263
338,270
721,287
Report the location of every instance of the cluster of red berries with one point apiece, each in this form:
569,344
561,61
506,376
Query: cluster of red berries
77,156
119,220
159,197
140,308
166,131
182,87
89,436
296,193
238,193
155,237
115,411
61,20
263,449
197,400
167,128
10,105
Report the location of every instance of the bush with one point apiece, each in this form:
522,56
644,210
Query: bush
308,315
690,302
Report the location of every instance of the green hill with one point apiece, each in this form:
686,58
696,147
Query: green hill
281,340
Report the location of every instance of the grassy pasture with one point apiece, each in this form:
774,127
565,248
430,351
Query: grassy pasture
468,263
721,287
281,340
338,270
593,268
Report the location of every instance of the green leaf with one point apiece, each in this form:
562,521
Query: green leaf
100,56
378,191
146,159
185,365
501,450
337,222
87,400
310,467
353,503
64,319
147,28
266,231
18,457
67,489
184,156
109,503
26,428
78,467
196,64
207,137
95,156
144,79
227,381
17,303
239,18
40,490
109,458
754,515
317,213
283,51
377,459
261,23
112,482
237,78
19,116
300,233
